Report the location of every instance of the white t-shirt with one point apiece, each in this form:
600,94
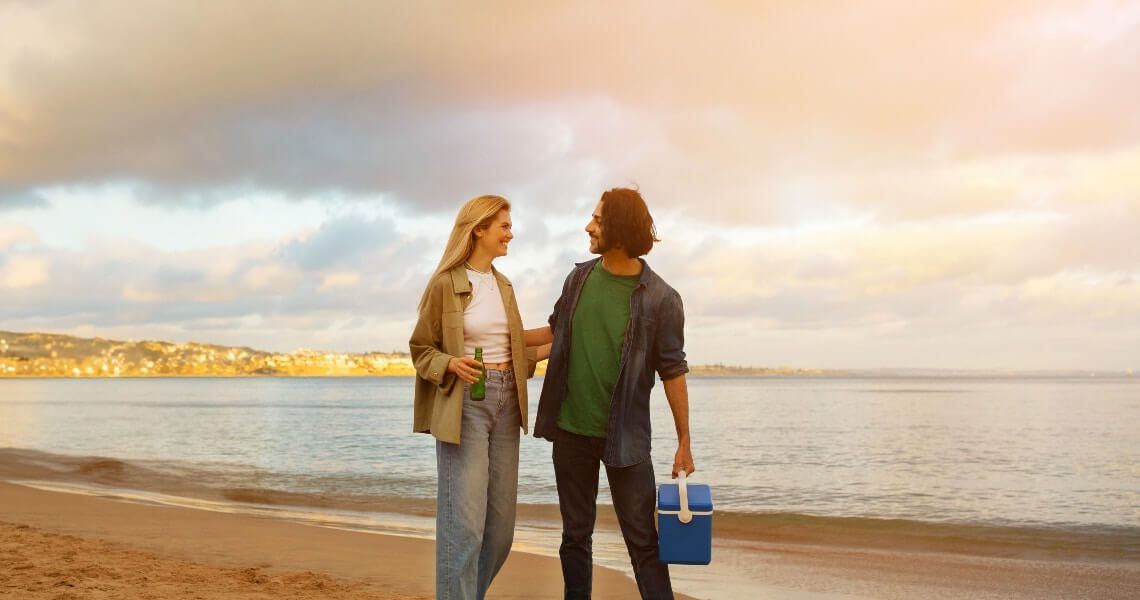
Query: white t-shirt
485,320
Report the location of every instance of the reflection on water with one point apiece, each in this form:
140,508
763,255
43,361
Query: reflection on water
999,451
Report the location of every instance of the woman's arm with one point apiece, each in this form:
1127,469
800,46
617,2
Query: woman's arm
430,362
425,345
545,335
539,337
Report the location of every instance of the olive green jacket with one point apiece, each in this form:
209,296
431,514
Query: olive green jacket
438,337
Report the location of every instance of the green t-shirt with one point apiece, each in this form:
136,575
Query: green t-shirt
598,330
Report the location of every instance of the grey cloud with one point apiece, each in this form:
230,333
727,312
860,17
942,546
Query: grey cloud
173,275
815,284
119,285
426,159
339,242
361,105
14,196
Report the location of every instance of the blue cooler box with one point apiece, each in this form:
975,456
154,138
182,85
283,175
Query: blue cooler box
684,522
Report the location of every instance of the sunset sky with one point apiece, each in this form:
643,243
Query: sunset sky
838,185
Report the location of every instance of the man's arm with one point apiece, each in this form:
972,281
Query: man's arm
677,392
670,364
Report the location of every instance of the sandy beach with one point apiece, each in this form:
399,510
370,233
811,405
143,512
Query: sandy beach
63,545
41,564
58,545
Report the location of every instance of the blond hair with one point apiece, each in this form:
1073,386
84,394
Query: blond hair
477,213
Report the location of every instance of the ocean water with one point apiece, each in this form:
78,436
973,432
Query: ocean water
994,451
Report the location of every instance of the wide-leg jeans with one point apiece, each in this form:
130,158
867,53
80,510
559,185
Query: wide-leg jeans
477,492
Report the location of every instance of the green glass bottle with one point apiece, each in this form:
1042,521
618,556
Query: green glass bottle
479,388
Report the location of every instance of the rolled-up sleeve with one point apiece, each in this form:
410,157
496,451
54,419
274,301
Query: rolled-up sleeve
531,361
669,347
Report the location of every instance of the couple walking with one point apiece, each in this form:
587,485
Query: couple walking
614,327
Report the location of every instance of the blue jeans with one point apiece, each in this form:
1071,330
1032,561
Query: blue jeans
577,459
478,492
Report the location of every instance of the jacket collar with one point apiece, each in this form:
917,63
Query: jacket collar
646,276
459,281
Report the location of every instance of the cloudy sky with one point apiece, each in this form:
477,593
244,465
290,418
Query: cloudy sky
863,184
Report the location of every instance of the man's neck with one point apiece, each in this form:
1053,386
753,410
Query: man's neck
617,262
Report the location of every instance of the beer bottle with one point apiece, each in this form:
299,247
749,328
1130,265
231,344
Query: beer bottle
479,388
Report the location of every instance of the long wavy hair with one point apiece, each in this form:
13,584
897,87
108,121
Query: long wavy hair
477,214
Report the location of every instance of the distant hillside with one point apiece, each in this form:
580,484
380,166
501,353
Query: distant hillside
51,355
730,371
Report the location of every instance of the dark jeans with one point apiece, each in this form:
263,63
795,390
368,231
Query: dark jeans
576,462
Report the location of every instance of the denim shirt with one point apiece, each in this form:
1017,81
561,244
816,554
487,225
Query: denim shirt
654,342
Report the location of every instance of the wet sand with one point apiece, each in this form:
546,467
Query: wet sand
61,544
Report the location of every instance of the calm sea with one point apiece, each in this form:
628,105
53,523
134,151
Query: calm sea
1052,452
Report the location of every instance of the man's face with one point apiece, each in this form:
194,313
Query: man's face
594,228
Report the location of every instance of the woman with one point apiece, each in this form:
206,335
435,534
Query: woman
469,304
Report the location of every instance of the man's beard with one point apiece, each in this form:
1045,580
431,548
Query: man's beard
599,245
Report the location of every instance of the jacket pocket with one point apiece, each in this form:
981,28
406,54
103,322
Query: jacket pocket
453,333
453,318
646,333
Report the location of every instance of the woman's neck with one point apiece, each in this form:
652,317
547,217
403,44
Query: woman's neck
479,261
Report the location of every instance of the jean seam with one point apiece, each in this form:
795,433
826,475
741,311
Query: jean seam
499,407
447,543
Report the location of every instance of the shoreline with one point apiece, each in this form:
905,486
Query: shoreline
184,485
414,517
49,532
779,554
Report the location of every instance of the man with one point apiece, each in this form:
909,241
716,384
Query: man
616,323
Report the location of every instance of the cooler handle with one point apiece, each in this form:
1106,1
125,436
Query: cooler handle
685,515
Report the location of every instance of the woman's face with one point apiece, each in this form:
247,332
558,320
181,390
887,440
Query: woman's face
494,239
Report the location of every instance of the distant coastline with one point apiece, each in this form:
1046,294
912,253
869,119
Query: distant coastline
48,355
55,355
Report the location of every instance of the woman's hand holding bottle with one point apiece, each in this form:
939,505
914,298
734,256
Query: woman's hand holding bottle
466,368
